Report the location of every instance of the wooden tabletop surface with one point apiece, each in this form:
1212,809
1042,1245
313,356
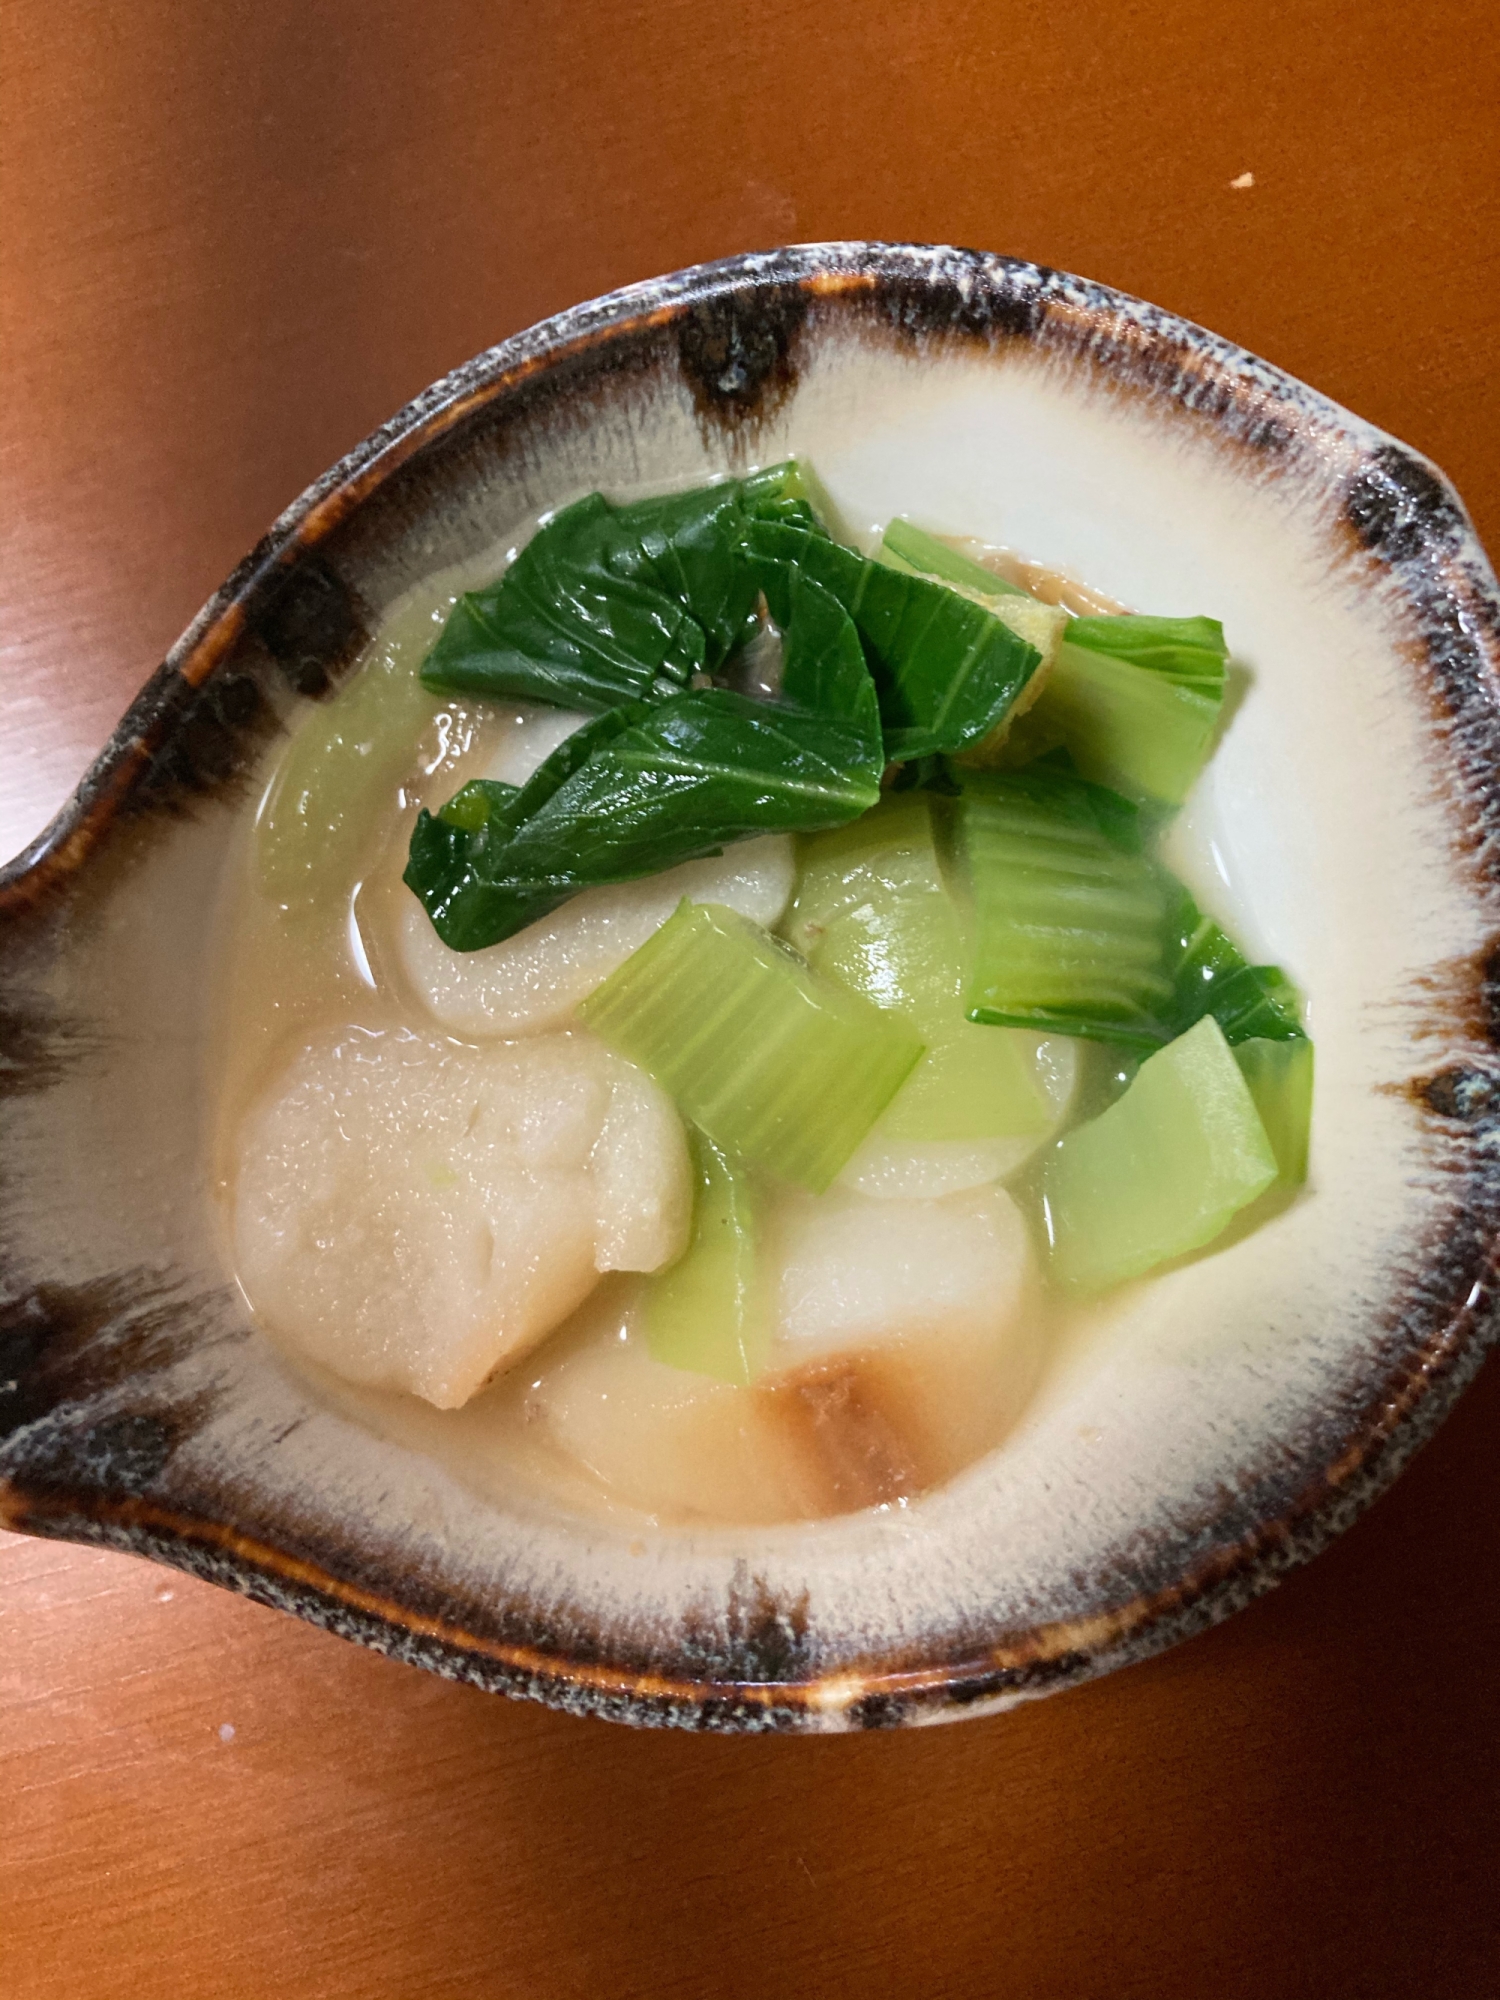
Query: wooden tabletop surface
235,237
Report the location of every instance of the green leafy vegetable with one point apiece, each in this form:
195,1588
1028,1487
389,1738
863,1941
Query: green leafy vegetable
1162,1171
1212,976
1190,651
643,787
1079,931
947,669
605,604
637,790
823,667
792,494
1280,1076
780,1068
1139,731
1135,700
611,604
708,1312
458,865
479,802
872,911
1071,917
911,548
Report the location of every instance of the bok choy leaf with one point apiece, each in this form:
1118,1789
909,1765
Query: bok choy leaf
1163,1171
1190,651
905,546
782,1069
1079,931
1141,732
947,669
610,604
709,1311
605,604
645,786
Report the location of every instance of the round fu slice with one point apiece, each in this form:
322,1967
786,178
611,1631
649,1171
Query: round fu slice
416,1215
908,1337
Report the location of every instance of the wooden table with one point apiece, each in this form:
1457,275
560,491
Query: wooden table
236,236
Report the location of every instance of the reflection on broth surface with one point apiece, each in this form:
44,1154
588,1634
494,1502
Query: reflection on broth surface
444,1193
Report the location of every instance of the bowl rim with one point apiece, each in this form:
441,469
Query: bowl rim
1402,515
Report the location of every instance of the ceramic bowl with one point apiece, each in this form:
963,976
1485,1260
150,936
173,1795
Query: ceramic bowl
1171,1466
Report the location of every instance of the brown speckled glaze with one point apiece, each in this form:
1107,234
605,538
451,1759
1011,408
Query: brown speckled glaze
138,1408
